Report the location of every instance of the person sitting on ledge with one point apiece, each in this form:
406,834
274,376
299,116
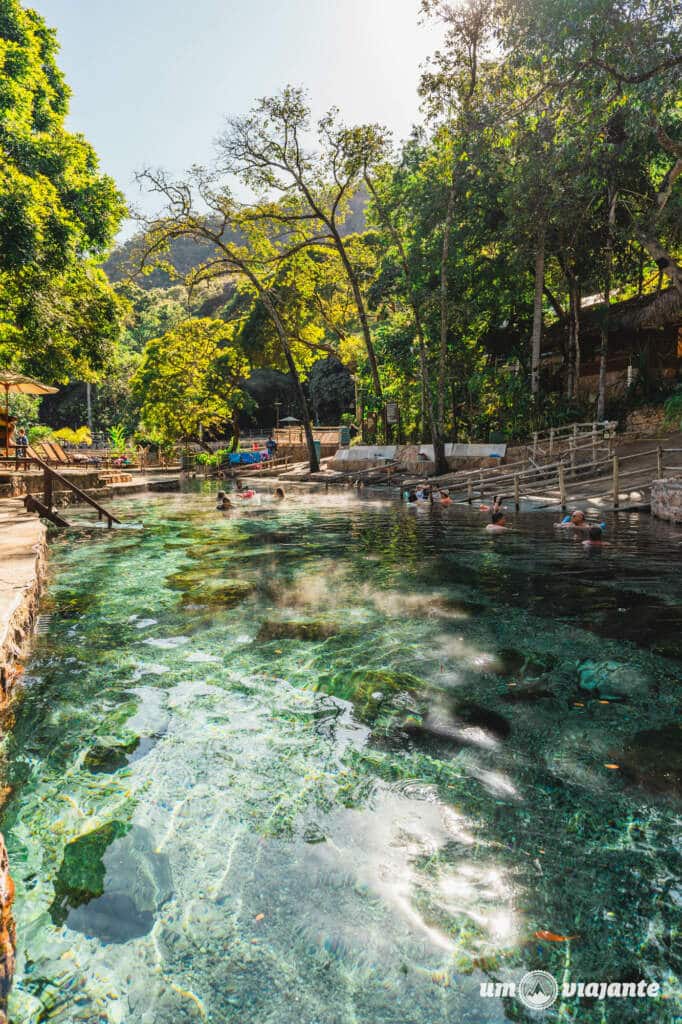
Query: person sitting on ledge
498,524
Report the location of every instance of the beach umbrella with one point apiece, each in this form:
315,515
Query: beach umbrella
17,384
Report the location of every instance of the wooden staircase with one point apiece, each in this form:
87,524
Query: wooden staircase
46,509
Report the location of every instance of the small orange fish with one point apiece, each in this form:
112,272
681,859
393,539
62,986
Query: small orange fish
553,937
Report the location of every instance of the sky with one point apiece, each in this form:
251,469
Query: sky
154,80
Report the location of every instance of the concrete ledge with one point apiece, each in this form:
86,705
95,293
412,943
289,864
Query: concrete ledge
666,499
23,550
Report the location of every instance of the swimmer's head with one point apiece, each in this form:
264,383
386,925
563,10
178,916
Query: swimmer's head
578,518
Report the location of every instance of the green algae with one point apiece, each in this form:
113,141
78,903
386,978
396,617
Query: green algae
81,875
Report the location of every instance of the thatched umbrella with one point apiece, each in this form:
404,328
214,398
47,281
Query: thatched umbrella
18,384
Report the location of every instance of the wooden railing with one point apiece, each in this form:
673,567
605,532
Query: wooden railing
50,476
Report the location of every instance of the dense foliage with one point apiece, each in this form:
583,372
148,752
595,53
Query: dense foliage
58,214
453,274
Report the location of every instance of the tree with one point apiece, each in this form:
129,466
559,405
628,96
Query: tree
267,150
58,214
255,260
190,380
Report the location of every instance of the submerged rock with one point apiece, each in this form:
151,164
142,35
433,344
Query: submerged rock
297,630
109,756
218,593
607,680
111,883
652,759
375,692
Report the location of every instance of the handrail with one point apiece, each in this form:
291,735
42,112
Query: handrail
51,474
32,504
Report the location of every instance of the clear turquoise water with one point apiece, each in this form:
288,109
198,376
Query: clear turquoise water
332,763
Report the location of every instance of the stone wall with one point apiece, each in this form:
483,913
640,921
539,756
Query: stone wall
666,499
647,420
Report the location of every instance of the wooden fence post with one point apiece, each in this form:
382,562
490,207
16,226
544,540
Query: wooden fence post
535,445
470,490
616,468
594,443
47,488
571,442
659,462
480,483
517,493
551,440
562,486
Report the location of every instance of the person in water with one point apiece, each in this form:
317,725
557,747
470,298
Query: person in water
595,538
495,507
498,523
577,520
412,496
445,498
223,503
245,492
279,494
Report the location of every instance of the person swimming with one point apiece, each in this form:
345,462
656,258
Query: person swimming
279,494
498,523
595,538
445,498
223,503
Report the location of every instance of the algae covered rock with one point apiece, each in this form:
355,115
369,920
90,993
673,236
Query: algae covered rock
111,883
376,692
295,629
108,755
218,593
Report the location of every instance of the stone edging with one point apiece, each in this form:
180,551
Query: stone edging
666,499
16,631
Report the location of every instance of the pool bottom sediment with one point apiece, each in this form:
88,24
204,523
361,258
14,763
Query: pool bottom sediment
346,762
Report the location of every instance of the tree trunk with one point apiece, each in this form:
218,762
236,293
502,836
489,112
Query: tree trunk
573,377
439,438
427,402
234,443
300,394
536,336
666,264
364,324
608,268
